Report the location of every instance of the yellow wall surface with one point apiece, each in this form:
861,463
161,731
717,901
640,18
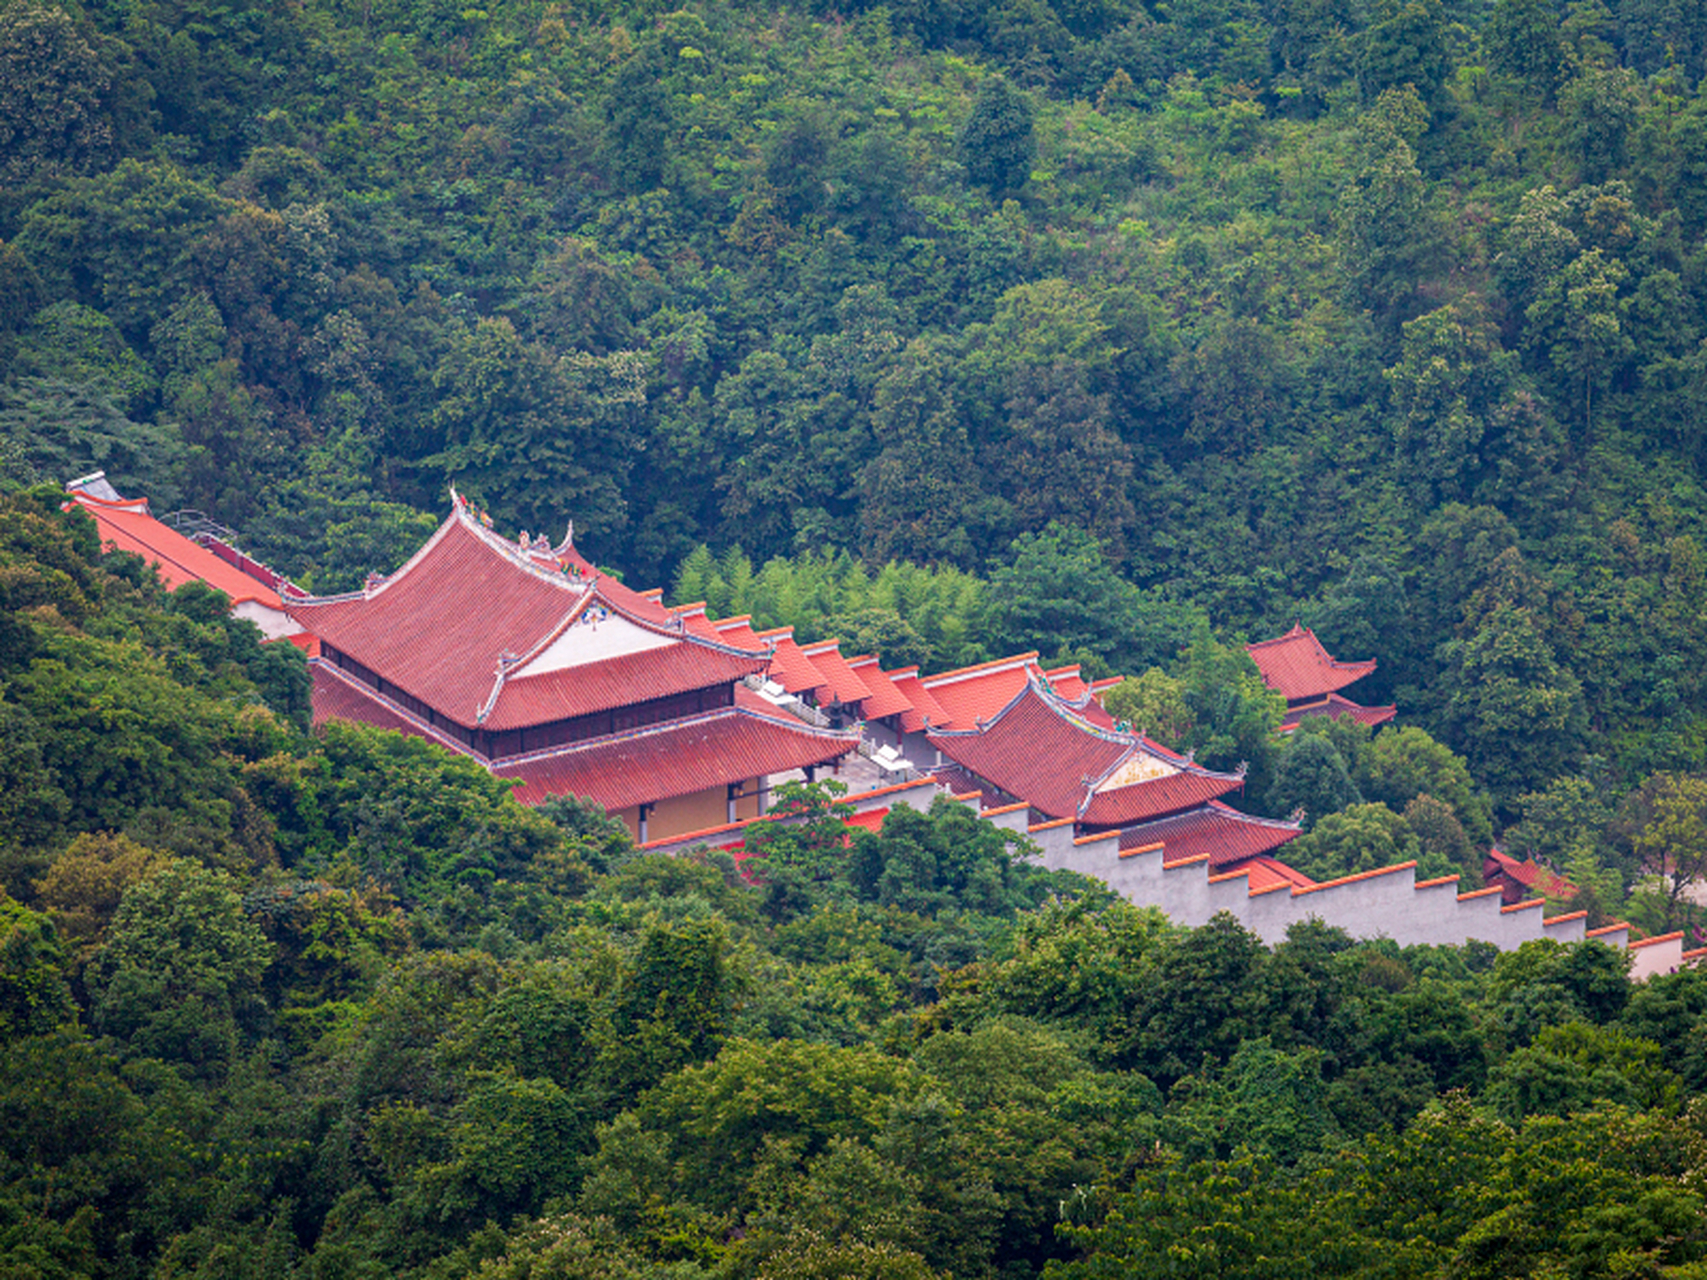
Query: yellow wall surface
696,812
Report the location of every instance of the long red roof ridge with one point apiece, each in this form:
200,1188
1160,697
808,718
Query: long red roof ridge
978,668
129,520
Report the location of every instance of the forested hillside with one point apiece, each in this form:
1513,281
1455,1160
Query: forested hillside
1123,333
275,1004
1384,317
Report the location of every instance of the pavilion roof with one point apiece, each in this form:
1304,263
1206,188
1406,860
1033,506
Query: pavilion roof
1337,705
1296,666
677,758
495,633
1040,750
126,525
1228,837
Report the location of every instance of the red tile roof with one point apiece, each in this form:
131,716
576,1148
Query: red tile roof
736,630
1068,682
962,782
467,601
885,699
924,707
845,686
1296,666
639,604
1229,838
1271,873
127,526
693,617
618,682
1519,876
971,694
791,668
1038,749
1337,705
339,697
1145,800
675,759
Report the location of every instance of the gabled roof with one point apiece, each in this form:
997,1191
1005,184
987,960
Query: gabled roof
844,685
1296,666
492,632
1038,749
970,694
1228,837
1271,873
125,524
676,759
639,604
922,706
1337,705
693,617
885,699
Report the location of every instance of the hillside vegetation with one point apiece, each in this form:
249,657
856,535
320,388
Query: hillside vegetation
280,1005
1122,333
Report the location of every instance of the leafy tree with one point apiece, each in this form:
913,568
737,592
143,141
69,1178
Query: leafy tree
536,435
997,143
1312,776
1402,763
1515,711
1671,840
1153,704
55,95
34,997
1362,837
87,881
1234,714
180,972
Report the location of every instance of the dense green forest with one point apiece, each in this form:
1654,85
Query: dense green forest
333,1005
1120,332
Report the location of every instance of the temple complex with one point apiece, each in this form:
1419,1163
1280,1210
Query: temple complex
527,658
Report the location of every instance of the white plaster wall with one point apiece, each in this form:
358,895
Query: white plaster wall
1384,905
